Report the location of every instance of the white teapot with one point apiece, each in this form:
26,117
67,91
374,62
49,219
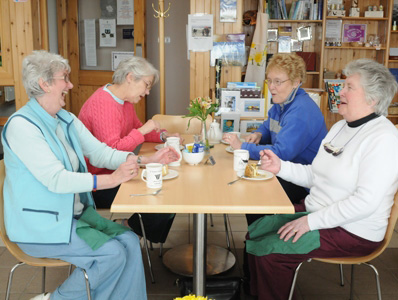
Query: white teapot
214,135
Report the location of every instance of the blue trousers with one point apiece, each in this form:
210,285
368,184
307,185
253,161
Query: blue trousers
115,270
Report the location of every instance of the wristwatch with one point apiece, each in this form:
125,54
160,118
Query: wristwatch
163,136
139,159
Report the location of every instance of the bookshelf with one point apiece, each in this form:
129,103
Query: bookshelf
334,58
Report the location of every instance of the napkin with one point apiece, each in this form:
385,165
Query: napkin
264,239
96,230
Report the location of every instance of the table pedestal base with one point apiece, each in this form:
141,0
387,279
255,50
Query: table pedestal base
180,260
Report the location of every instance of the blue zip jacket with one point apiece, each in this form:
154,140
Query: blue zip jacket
293,131
33,214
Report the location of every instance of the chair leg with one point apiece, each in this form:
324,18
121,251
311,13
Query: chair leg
146,248
160,250
70,269
352,283
43,281
227,231
87,284
150,245
341,275
10,279
377,279
211,220
294,281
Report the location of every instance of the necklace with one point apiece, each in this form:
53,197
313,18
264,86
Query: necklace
336,151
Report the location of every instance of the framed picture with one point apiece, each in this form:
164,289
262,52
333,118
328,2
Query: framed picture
229,100
296,46
247,127
252,107
304,33
354,33
272,35
284,44
230,122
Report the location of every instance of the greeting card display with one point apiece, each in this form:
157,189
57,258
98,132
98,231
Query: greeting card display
252,107
247,127
230,122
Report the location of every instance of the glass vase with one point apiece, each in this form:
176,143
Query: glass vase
205,139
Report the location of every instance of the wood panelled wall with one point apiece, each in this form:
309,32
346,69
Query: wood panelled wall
23,29
201,74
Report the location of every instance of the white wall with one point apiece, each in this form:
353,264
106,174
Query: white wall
176,62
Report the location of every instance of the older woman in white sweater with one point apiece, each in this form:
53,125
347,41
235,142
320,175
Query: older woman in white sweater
352,181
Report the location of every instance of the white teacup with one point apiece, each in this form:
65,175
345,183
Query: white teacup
153,174
241,157
175,143
235,132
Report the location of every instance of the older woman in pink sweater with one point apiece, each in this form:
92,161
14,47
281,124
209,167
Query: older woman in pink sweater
110,116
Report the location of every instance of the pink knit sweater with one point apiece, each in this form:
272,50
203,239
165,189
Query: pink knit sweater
114,124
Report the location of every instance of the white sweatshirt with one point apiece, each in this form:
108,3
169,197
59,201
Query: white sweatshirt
354,190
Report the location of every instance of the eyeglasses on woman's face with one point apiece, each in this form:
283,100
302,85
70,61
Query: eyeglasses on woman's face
276,82
148,85
65,78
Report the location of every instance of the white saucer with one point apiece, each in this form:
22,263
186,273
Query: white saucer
263,175
226,143
229,149
161,146
172,174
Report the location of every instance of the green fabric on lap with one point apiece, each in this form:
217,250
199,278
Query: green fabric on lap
264,239
96,230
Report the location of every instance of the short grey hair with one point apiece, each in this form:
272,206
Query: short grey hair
136,65
377,81
41,64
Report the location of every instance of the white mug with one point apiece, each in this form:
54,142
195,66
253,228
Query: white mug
241,157
153,174
175,143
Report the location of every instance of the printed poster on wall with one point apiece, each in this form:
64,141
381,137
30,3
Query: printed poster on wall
107,29
125,12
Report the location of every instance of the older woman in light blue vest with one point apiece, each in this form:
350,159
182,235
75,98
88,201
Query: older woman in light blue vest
47,189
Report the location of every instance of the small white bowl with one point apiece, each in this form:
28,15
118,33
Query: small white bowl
192,158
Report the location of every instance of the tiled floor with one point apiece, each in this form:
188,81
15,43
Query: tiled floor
316,281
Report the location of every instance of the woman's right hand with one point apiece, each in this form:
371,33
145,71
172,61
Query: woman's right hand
149,126
126,171
254,138
270,161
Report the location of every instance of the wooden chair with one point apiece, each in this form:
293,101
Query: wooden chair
178,124
21,256
361,259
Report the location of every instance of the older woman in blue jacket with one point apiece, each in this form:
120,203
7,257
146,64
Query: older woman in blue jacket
47,188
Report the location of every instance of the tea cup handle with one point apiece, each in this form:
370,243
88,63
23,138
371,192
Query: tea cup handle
142,175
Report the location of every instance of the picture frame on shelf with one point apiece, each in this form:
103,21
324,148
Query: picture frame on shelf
252,107
230,121
354,33
248,126
296,45
229,101
284,44
304,33
272,35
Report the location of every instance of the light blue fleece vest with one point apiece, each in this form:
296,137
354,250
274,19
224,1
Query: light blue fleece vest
33,214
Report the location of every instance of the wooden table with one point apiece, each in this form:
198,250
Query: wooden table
200,190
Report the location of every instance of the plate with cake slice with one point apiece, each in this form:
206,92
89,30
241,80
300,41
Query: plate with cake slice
252,172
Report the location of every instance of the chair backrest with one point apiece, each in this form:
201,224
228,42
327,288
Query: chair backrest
387,238
178,124
12,247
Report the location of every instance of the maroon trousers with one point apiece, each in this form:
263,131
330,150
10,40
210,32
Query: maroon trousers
271,276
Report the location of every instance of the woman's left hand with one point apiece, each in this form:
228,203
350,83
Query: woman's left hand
166,134
294,228
164,156
233,140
